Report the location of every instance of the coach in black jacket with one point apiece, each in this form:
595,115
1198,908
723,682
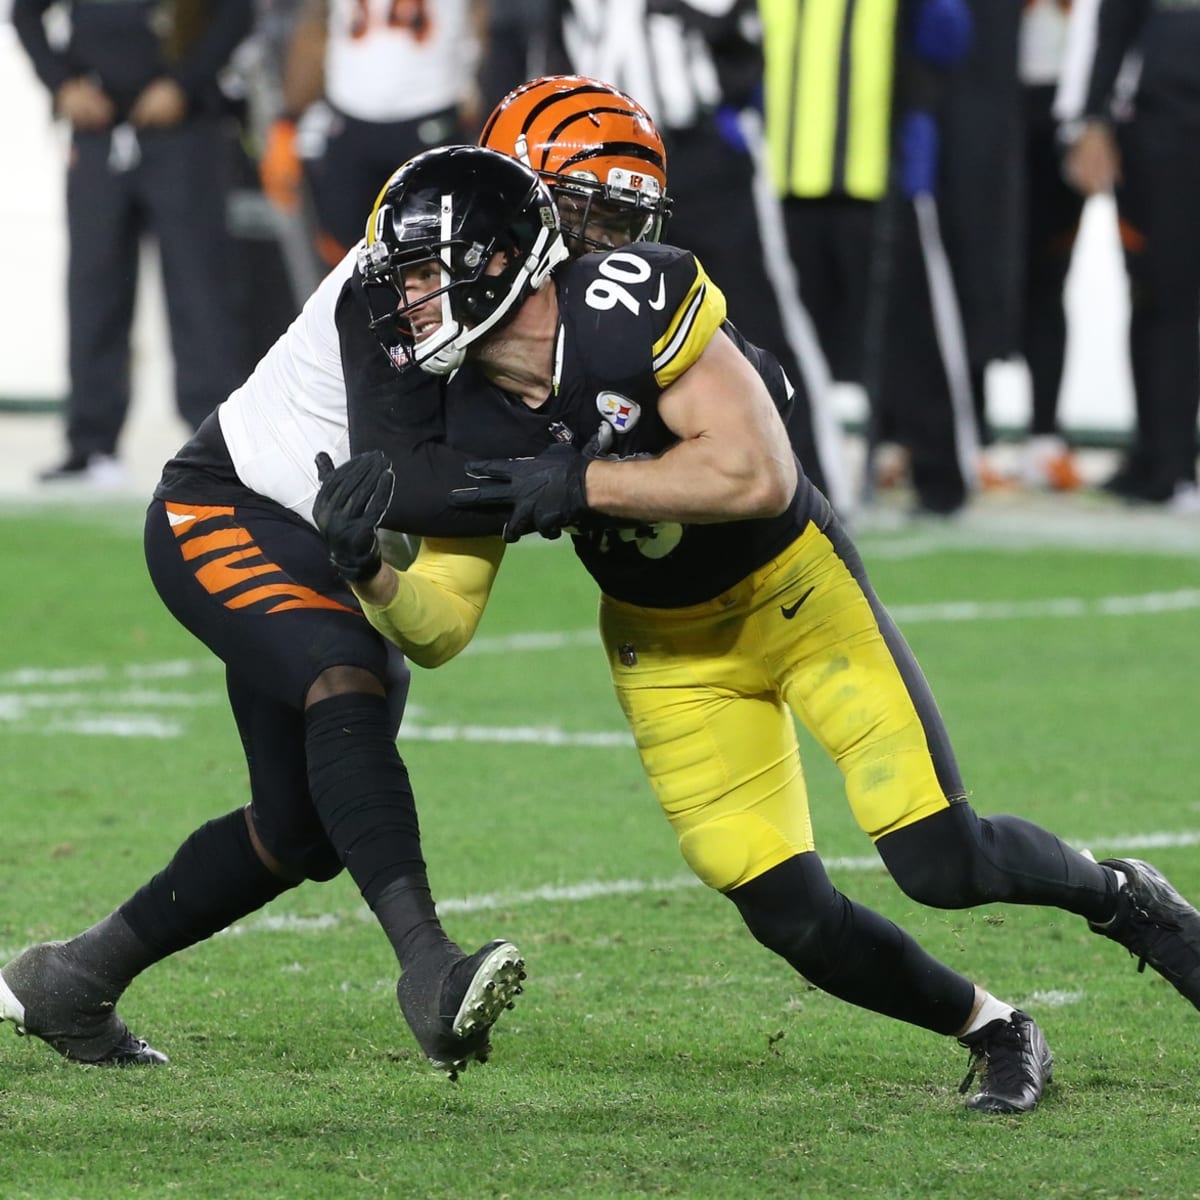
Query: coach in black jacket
138,83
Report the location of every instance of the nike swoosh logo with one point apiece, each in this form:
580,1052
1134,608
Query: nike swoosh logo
659,301
174,519
790,610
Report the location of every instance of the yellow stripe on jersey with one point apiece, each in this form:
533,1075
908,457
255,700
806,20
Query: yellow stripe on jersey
696,319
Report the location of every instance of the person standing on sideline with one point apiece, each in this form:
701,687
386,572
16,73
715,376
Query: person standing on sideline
1052,211
852,129
150,153
1145,148
380,82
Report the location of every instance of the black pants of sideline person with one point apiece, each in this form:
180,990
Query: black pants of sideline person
863,276
175,190
1052,214
1158,203
712,184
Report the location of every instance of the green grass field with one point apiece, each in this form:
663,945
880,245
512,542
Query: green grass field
658,1051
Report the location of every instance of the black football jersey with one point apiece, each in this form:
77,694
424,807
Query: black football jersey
631,321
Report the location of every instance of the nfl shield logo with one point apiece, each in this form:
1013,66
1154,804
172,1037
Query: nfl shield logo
619,411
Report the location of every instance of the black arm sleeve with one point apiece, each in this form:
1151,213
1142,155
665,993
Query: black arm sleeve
401,413
1117,26
196,71
51,67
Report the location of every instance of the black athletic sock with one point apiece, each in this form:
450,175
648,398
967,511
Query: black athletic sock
214,878
406,911
112,953
850,951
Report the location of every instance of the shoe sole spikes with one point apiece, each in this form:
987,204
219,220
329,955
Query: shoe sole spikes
495,987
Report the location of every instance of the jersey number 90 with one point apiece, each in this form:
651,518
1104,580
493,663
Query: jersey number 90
617,269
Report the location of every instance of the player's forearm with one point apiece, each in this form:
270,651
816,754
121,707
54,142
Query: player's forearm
431,610
696,482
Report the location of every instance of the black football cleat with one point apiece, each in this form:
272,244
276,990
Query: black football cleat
1013,1063
46,994
451,1004
1157,925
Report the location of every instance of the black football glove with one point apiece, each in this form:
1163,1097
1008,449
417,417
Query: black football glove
546,493
348,509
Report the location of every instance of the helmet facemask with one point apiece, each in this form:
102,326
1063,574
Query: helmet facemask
596,216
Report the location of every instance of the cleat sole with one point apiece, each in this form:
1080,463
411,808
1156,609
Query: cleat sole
11,1009
496,983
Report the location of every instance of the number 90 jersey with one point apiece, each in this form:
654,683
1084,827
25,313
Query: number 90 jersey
631,322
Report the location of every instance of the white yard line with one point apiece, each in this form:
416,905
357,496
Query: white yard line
100,701
600,889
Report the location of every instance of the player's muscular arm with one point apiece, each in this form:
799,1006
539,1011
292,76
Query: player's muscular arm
733,459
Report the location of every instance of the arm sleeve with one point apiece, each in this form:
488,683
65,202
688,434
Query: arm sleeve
1117,26
401,413
439,599
51,67
198,68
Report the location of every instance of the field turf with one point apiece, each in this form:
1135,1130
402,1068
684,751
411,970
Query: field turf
658,1051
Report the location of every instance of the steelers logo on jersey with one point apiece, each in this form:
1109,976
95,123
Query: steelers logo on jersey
619,411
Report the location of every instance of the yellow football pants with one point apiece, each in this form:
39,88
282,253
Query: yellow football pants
707,691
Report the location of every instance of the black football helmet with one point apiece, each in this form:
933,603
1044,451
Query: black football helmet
459,207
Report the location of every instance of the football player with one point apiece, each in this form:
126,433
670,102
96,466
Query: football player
603,158
316,695
629,413
596,149
231,547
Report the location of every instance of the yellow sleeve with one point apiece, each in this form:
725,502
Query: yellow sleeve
697,318
439,598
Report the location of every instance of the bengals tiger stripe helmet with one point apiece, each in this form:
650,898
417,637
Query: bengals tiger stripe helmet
598,151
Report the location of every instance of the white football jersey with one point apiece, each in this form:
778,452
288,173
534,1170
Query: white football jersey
1043,40
396,60
293,405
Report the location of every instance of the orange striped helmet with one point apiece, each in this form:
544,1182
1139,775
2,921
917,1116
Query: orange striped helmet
598,151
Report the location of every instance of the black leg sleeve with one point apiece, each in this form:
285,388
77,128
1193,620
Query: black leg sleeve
955,859
848,950
360,789
214,878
